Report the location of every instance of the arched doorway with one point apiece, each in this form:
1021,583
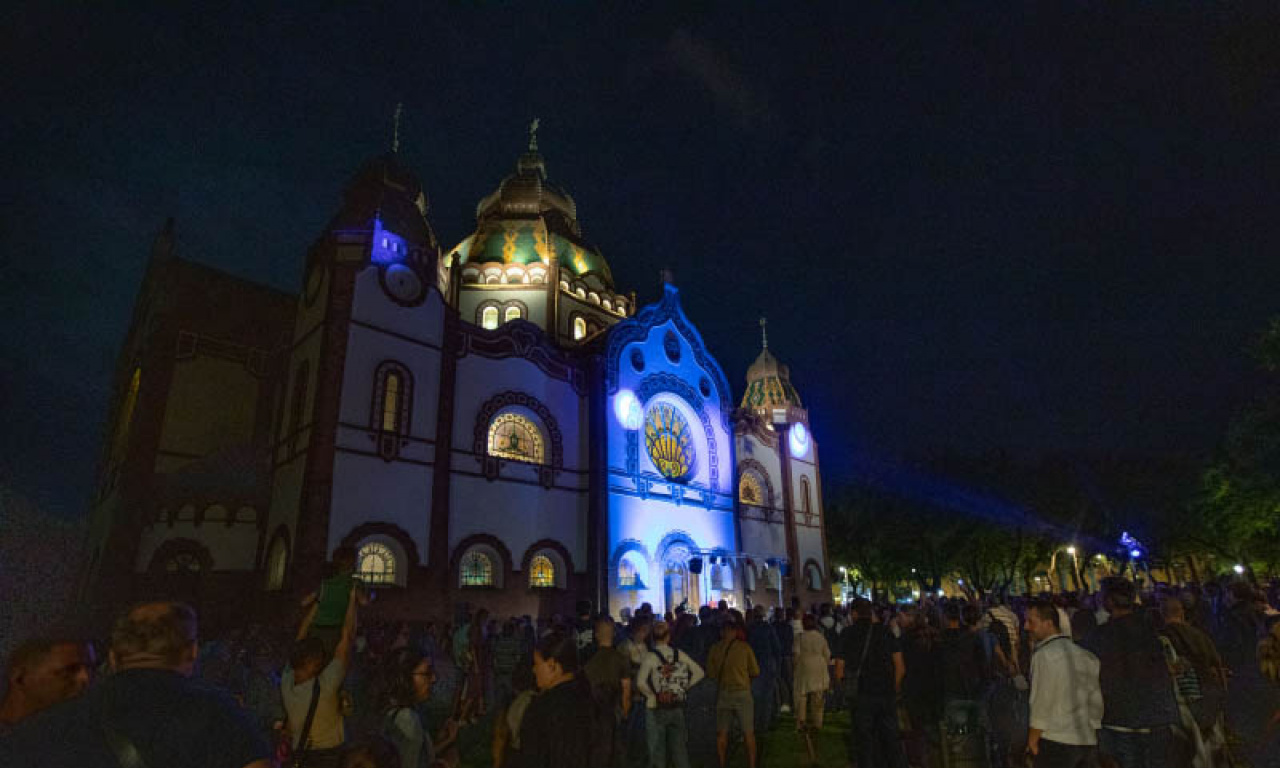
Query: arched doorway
679,585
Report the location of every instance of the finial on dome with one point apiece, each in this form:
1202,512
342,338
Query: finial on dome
533,135
764,333
395,128
668,277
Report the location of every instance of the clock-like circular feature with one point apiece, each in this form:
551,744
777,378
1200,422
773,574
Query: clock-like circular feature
403,284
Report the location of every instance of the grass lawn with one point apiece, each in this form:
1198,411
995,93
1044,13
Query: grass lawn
782,746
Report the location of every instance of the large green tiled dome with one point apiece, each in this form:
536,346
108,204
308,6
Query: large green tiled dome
528,220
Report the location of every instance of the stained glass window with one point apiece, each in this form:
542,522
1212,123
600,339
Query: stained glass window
477,570
391,403
626,574
669,441
376,564
512,436
579,328
489,318
513,313
749,490
541,572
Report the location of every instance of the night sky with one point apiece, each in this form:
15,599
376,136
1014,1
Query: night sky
1034,231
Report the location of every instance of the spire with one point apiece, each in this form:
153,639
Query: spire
395,134
764,334
533,135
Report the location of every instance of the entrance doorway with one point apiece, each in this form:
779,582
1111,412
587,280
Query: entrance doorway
678,584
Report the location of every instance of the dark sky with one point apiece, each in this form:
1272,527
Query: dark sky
1035,230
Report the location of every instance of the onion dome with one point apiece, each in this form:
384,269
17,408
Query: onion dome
385,190
528,220
769,386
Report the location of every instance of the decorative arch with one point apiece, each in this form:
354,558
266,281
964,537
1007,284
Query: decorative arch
514,304
554,454
672,540
384,530
746,465
188,555
391,407
658,383
812,574
560,562
489,544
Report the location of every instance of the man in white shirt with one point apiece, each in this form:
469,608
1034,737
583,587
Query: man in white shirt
665,677
1066,698
321,735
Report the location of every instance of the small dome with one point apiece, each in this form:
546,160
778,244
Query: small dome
385,188
769,383
527,220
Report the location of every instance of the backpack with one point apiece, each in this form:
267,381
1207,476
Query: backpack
670,680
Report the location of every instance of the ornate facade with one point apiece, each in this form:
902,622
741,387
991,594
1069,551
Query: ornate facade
495,423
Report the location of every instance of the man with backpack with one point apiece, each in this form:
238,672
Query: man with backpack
665,677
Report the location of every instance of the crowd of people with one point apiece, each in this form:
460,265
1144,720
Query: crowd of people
1174,676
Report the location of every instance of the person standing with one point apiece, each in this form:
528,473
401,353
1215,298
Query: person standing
406,682
609,672
664,680
1066,697
555,730
1137,690
732,664
786,659
151,709
812,656
764,643
310,688
870,662
42,673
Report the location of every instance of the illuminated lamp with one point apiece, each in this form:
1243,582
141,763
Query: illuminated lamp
1238,568
1071,550
1135,553
626,409
799,440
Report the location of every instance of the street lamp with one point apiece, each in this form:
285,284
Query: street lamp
1071,551
1238,568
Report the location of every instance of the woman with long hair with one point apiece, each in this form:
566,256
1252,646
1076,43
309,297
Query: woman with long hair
406,681
554,732
812,657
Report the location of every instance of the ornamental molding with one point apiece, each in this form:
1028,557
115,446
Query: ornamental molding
554,460
521,338
746,465
657,383
637,329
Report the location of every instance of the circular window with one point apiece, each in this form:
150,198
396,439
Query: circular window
671,345
669,442
637,360
704,387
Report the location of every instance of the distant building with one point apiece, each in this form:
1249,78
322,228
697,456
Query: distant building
495,423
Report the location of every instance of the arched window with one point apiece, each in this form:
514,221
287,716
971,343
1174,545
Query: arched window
277,562
390,413
542,572
489,318
805,502
626,574
815,577
391,402
512,436
579,329
749,490
376,564
513,313
476,570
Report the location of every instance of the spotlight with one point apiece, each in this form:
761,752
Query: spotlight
1238,568
1071,550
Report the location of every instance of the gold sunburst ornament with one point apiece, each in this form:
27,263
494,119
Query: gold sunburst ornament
669,442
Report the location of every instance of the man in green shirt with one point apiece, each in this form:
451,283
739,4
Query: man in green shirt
333,598
609,672
732,664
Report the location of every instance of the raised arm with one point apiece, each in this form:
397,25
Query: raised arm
305,626
342,652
